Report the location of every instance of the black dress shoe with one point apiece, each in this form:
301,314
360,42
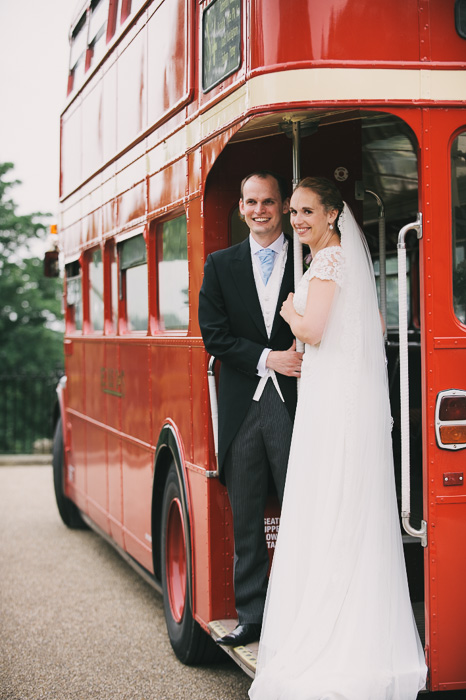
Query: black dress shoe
242,634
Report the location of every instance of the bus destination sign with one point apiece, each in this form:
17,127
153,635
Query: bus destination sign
221,41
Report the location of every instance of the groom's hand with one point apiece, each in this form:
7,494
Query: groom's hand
287,362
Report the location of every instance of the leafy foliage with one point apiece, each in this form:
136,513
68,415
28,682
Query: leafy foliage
30,312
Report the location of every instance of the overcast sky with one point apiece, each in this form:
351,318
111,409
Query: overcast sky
33,75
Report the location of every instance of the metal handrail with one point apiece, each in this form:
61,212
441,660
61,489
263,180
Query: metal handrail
213,409
404,385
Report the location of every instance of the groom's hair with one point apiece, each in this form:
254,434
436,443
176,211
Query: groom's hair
264,174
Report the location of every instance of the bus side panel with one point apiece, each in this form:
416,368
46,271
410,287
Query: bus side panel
331,30
203,444
445,360
114,396
115,493
137,477
97,489
448,576
212,544
137,456
76,481
170,391
134,373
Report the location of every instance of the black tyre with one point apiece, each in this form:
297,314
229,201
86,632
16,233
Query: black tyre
189,641
69,513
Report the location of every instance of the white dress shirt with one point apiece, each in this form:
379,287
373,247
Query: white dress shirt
268,298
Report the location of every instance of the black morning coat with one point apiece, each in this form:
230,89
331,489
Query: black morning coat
233,330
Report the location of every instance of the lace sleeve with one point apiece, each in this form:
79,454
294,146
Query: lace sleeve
328,264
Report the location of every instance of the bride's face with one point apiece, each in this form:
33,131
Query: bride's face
309,218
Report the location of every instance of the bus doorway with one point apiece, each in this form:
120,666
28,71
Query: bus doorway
372,157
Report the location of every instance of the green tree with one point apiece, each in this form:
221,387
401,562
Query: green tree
31,338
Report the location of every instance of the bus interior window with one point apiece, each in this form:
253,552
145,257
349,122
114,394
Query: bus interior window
390,169
458,198
172,274
134,282
74,302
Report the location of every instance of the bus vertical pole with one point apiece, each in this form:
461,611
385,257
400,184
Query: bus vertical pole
382,257
297,245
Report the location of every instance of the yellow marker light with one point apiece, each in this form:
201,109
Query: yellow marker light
453,434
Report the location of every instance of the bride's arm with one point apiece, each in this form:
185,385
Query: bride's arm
309,328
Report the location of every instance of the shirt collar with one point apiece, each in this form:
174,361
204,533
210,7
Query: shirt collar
276,245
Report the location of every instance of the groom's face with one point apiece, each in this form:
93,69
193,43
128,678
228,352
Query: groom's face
262,208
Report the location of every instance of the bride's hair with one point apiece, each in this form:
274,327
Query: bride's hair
327,192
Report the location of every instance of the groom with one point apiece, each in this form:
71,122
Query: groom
241,295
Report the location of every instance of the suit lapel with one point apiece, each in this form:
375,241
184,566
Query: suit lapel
243,277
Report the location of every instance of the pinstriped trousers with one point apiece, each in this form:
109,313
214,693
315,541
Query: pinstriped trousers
261,447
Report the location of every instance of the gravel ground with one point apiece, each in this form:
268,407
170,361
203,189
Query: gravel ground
77,623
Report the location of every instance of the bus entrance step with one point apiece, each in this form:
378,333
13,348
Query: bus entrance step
244,656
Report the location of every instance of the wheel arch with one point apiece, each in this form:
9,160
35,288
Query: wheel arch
59,405
169,451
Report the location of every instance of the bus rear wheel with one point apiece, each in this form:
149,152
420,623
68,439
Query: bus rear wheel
189,641
69,513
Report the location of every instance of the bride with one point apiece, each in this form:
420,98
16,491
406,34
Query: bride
338,622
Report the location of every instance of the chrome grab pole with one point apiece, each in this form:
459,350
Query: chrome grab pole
382,257
404,384
297,245
213,410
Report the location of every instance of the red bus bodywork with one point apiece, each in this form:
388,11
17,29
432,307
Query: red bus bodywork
145,141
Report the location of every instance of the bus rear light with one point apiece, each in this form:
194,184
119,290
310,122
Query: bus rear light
450,419
452,408
451,434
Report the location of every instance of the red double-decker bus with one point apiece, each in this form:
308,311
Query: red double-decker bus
170,103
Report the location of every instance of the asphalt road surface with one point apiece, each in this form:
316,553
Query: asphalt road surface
77,623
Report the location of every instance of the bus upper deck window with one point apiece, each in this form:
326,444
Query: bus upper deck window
134,282
96,291
97,30
172,274
221,41
78,46
460,17
74,304
458,198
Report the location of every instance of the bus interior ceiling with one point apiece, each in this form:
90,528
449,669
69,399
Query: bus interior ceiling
370,151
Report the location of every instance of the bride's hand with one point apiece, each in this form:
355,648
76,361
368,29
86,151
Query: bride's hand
287,308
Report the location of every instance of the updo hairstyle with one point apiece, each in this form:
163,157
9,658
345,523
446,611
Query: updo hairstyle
327,192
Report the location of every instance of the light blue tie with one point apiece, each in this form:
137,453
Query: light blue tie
267,259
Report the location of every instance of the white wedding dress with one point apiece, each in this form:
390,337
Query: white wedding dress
338,621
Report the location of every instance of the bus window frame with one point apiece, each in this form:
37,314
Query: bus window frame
156,256
455,135
123,325
88,325
111,291
70,309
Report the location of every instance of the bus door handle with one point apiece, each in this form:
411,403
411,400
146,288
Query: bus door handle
404,384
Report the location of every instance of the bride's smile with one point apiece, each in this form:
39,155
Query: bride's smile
311,221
